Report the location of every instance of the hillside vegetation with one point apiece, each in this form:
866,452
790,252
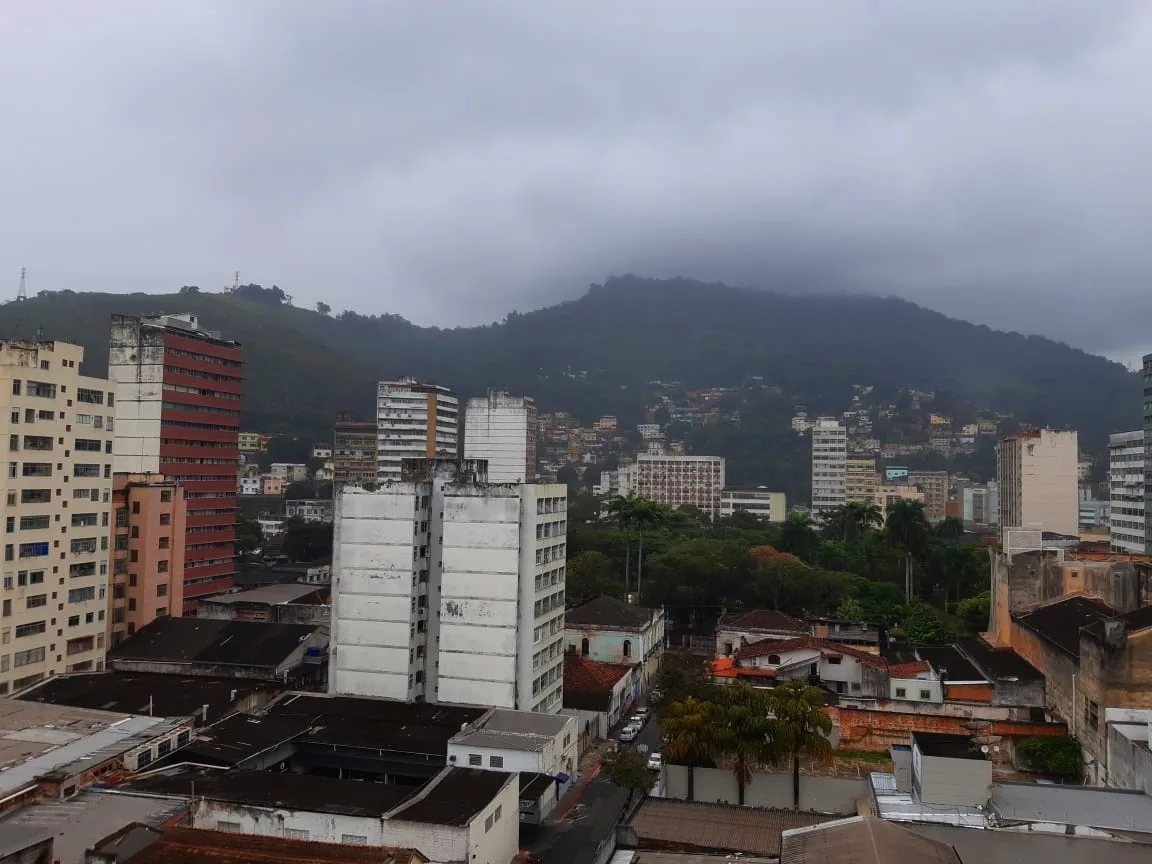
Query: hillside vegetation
597,354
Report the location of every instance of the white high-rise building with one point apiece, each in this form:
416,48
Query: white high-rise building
502,430
414,421
447,588
1037,472
1126,492
675,481
829,465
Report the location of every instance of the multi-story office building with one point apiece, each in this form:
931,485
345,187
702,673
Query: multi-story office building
149,528
178,387
765,505
934,485
981,504
829,465
1039,486
448,588
353,453
58,499
676,481
414,421
1127,529
502,430
860,479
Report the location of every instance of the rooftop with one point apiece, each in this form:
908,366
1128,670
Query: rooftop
998,663
782,646
276,789
689,827
895,806
81,821
454,796
533,785
588,684
194,846
240,737
1095,807
950,663
1012,847
862,840
610,613
909,670
200,640
762,619
145,693
274,595
947,746
41,741
1060,623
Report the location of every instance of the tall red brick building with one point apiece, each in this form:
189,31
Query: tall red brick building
178,390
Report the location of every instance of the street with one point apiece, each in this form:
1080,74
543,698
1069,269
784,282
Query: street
586,815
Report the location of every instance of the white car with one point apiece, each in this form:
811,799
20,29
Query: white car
642,713
628,734
655,762
637,720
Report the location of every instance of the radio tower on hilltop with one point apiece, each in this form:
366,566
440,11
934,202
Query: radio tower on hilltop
22,293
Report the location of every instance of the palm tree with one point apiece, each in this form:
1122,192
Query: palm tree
798,536
646,514
691,729
620,511
868,517
746,732
800,726
907,529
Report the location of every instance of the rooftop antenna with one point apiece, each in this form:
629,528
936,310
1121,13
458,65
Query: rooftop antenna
22,294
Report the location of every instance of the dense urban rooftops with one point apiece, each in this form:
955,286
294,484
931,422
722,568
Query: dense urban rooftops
199,640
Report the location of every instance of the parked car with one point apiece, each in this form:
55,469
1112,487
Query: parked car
643,712
637,720
628,734
655,762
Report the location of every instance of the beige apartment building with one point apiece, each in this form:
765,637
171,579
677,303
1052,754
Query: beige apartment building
886,496
148,545
1037,472
934,485
861,480
58,493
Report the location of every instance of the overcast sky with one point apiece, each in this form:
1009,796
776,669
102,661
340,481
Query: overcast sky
450,161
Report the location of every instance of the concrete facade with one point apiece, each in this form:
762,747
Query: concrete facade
861,480
934,485
519,743
57,492
502,429
1126,527
451,589
829,465
769,506
354,453
414,421
675,481
641,646
1038,478
148,535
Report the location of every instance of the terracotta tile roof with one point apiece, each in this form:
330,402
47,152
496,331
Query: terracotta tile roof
725,667
863,840
588,684
763,619
908,670
782,646
682,826
195,846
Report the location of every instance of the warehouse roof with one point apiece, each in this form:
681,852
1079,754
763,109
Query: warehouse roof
200,640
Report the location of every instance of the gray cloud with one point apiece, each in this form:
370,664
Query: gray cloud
453,160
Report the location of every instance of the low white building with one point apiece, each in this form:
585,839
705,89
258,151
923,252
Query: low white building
842,669
765,505
458,816
742,628
309,509
598,695
519,742
915,682
251,485
289,472
321,451
270,526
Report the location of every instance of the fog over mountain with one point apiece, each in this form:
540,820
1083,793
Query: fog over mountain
450,161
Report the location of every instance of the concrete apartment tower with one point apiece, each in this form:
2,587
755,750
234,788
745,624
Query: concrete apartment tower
934,485
414,421
676,481
860,480
1037,475
178,387
829,465
447,588
58,499
502,430
353,453
1127,531
148,535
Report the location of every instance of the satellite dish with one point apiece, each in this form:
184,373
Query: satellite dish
983,748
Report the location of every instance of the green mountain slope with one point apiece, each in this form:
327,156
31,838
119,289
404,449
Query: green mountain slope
596,354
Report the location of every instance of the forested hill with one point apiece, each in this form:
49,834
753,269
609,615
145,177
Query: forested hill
596,354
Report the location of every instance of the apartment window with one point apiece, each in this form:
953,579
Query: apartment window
88,445
164,541
15,386
162,588
84,520
165,496
35,550
131,604
835,660
133,555
7,608
1092,714
32,629
26,658
135,508
135,532
161,611
222,825
36,601
165,518
495,761
627,647
36,469
82,595
42,389
354,839
475,759
901,692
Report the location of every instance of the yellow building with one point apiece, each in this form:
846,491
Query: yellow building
886,496
861,480
249,442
